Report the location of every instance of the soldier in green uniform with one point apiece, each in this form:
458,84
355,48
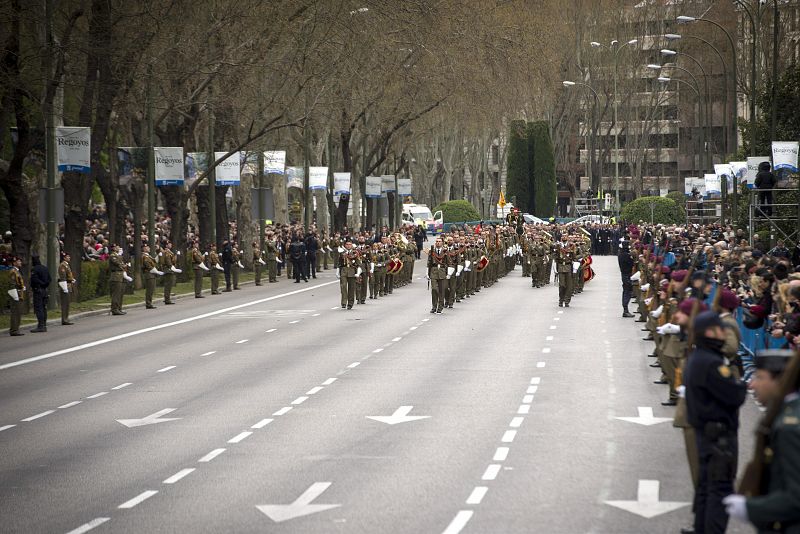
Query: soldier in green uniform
777,510
169,269
197,267
258,261
17,283
438,261
149,276
236,254
348,271
65,279
271,247
563,256
215,267
118,270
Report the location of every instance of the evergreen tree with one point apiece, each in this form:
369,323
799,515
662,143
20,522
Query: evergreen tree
518,181
543,167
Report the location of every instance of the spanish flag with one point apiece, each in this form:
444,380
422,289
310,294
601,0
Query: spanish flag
502,201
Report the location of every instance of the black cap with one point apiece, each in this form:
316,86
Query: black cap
773,360
706,320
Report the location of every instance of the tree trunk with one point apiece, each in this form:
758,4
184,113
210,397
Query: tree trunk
244,218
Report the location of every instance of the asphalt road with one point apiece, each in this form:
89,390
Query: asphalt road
250,412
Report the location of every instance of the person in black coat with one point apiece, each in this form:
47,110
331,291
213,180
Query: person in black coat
625,261
713,397
227,261
40,281
297,254
765,182
312,245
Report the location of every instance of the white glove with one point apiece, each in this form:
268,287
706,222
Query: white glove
127,278
372,267
655,314
338,275
176,270
736,507
648,301
636,277
240,264
681,390
279,260
262,262
467,264
205,254
450,271
178,253
458,271
359,271
156,271
218,267
645,287
203,266
447,277
668,328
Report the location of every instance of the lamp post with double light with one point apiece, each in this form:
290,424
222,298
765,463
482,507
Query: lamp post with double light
590,146
615,48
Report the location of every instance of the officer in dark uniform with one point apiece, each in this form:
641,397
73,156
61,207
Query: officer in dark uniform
713,398
778,509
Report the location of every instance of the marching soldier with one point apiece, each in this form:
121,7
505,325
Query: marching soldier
236,263
148,268
563,257
197,267
438,261
349,270
65,280
18,284
118,269
168,260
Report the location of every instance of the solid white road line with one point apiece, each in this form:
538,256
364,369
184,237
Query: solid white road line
159,327
262,423
459,522
97,395
126,384
477,495
500,454
491,472
211,455
179,475
294,322
397,339
376,351
143,496
37,416
165,369
508,436
353,365
283,411
70,404
6,427
209,353
300,400
242,341
516,422
329,381
240,437
314,390
86,527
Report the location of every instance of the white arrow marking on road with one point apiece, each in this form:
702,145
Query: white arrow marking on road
645,417
400,415
150,419
647,504
300,507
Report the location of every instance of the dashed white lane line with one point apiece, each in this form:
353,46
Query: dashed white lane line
556,318
508,436
389,344
6,427
477,495
37,416
262,423
315,315
524,409
211,455
294,322
491,472
561,311
335,308
143,496
126,384
179,475
376,351
516,422
165,369
553,327
283,411
532,389
97,395
329,381
549,338
86,527
527,399
397,339
535,380
240,437
459,522
242,341
540,364
69,404
413,328
209,353
500,454
299,400
546,350
271,330
353,365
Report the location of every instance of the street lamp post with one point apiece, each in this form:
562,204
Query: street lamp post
590,152
616,48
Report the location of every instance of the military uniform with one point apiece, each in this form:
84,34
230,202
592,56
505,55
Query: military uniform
272,252
17,283
438,261
237,258
564,258
116,266
168,260
197,261
257,259
213,260
349,270
148,264
65,277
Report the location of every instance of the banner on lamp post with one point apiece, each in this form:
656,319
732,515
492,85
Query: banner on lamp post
318,178
724,169
784,155
73,149
249,163
373,187
196,163
387,183
294,177
169,165
275,162
341,183
691,183
404,187
713,184
227,172
752,169
131,165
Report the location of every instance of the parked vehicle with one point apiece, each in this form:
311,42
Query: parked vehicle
417,214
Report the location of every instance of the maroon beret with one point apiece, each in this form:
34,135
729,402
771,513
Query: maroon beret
680,276
687,304
728,300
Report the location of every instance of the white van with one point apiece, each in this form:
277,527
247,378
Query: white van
417,214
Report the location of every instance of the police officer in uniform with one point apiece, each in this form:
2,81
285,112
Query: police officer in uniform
713,398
